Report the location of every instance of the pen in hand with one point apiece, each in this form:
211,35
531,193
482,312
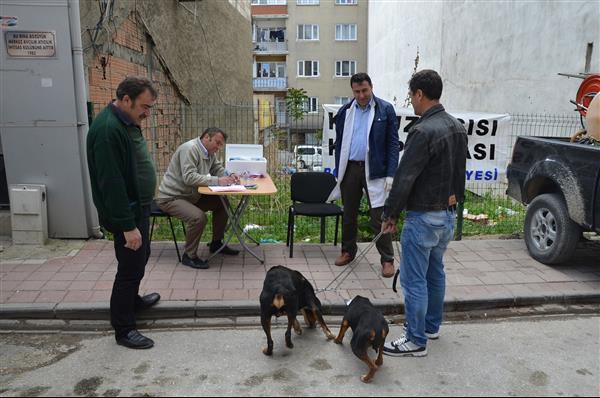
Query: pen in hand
233,178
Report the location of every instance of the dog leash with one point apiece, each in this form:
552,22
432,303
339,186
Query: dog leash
348,270
353,264
398,270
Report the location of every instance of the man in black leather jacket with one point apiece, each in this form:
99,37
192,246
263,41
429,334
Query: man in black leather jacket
428,184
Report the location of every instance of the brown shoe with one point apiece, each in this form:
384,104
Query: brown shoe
388,269
344,259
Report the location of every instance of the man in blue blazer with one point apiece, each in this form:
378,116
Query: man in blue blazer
366,158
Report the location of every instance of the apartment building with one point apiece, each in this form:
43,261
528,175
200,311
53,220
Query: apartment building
316,45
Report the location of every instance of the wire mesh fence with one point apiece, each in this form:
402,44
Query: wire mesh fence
492,212
292,146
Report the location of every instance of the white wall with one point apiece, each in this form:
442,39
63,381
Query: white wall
493,56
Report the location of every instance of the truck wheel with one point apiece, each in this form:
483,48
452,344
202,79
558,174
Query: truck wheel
301,164
550,234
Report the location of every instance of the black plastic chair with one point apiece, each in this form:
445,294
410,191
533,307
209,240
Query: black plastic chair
155,211
310,192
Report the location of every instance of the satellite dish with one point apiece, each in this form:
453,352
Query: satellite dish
587,90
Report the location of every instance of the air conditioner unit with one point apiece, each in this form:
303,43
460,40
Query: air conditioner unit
28,213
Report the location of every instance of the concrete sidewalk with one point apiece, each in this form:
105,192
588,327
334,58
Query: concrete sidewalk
73,279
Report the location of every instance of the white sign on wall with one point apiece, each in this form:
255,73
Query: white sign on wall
489,143
21,44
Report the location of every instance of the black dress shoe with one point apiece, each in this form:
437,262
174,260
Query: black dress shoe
148,301
196,263
216,245
135,340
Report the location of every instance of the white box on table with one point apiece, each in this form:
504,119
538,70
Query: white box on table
251,160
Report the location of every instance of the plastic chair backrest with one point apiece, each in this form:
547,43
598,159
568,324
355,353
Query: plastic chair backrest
312,187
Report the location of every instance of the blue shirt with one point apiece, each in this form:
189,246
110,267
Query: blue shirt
204,150
360,134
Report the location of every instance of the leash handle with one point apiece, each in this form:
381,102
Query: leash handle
395,280
399,264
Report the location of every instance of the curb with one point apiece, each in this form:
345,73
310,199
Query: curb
246,308
103,326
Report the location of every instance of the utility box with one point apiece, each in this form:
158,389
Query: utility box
245,159
29,214
43,119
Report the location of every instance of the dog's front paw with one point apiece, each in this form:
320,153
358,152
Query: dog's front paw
289,344
330,336
268,351
366,378
337,341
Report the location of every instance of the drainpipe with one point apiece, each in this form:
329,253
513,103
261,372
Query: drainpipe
91,215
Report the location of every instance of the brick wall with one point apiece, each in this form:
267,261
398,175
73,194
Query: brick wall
131,35
164,129
204,59
209,54
107,71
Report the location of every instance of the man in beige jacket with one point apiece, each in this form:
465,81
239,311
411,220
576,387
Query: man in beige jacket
193,165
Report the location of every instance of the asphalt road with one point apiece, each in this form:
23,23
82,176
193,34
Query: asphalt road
549,356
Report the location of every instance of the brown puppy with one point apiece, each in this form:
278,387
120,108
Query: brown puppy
285,292
369,329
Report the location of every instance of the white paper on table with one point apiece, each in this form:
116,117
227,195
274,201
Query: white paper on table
228,188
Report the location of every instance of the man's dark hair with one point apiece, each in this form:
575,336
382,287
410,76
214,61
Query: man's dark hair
133,86
212,131
359,78
429,82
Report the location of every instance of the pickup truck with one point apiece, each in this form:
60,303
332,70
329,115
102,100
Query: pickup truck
559,182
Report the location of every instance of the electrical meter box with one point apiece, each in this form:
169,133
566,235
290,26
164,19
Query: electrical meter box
29,214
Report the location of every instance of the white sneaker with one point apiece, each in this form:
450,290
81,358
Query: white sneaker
430,336
403,347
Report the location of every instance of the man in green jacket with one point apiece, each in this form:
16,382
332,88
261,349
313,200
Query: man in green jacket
123,182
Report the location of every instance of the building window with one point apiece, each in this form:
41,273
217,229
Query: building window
269,2
281,69
307,2
345,68
270,69
346,2
308,32
345,32
262,35
342,100
312,105
308,68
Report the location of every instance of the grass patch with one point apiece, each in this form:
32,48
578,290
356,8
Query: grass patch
270,213
505,215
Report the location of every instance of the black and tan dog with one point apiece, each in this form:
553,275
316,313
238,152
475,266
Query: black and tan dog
369,329
285,292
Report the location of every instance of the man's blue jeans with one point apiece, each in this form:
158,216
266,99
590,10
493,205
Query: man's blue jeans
425,237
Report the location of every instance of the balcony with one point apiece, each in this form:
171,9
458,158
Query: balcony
270,47
270,83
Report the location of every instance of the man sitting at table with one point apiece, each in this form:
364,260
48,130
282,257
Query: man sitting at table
193,165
